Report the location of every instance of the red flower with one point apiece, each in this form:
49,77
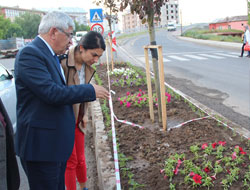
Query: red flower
206,170
197,178
243,153
128,93
140,90
214,145
204,146
222,143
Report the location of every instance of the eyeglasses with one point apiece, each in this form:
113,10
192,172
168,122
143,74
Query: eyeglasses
69,35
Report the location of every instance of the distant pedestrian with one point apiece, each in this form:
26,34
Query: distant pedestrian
246,39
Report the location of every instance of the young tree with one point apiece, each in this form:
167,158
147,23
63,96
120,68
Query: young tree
111,10
148,11
29,24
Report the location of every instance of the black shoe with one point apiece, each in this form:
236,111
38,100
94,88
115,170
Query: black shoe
248,56
240,56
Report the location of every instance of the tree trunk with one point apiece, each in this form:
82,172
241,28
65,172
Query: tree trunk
154,54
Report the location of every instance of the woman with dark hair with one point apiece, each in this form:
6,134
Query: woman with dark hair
77,69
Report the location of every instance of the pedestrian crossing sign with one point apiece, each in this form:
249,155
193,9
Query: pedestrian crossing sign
96,15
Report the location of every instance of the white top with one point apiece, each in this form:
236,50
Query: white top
81,74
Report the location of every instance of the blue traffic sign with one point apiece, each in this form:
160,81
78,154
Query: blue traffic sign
96,15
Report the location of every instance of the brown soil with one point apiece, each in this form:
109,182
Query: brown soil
151,146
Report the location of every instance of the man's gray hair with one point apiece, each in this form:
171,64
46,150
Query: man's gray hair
55,19
246,26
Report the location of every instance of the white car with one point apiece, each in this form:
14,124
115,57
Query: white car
8,93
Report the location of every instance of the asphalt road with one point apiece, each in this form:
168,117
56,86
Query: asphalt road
214,76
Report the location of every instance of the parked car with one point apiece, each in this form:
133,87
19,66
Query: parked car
8,93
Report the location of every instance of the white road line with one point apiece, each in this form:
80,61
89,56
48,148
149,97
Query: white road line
212,56
226,55
166,60
178,58
195,57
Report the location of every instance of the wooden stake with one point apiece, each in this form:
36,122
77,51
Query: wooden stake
150,97
162,88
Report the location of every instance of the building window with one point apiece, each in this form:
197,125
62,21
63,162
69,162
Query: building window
172,17
176,6
229,27
171,6
172,11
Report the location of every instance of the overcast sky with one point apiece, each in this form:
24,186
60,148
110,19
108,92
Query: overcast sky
193,11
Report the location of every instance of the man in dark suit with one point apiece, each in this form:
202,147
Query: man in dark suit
45,118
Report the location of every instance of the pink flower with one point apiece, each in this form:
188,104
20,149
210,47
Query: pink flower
119,99
140,99
165,177
140,90
213,177
169,99
145,99
204,146
222,143
191,174
197,178
176,171
128,93
128,104
121,102
214,145
161,171
234,156
124,100
139,95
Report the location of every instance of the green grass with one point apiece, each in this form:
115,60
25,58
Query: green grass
211,35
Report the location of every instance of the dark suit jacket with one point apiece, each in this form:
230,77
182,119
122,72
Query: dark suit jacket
45,118
9,162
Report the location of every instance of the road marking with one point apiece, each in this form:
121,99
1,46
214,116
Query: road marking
178,58
195,57
212,56
166,60
226,55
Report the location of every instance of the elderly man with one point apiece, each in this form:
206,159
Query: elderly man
45,118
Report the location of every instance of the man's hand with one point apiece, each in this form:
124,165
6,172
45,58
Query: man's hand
100,92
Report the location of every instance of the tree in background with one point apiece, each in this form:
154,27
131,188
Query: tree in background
29,24
4,25
81,27
148,11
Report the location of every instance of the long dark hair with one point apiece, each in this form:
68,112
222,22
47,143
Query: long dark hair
92,40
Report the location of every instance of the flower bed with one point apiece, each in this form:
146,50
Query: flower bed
201,154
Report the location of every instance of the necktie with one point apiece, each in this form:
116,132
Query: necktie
59,66
58,62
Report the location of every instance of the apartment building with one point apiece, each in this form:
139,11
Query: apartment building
77,14
12,12
131,23
170,13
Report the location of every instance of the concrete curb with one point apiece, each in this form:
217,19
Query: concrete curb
104,159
